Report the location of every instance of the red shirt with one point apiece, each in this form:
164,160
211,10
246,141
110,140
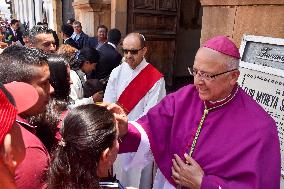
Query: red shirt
30,174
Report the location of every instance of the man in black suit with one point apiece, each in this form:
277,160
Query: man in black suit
66,33
79,36
109,57
13,33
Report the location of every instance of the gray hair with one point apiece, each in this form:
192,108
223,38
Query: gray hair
232,63
36,30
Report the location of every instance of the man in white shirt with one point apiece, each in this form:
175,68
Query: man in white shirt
137,86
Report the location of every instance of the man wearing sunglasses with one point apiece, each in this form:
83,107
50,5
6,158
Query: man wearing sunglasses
137,86
208,136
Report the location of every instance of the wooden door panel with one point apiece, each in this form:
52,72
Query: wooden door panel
157,20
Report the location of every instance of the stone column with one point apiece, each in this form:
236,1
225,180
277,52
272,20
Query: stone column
119,15
92,13
16,9
21,10
25,11
57,15
234,18
31,15
38,11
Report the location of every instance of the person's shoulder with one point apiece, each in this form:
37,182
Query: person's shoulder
115,72
83,34
30,139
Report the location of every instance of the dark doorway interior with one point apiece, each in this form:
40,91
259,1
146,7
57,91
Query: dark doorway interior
67,10
188,41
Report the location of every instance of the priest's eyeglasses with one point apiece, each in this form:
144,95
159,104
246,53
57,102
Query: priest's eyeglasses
205,76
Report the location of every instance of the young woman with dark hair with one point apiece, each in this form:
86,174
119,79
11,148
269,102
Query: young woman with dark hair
59,77
87,150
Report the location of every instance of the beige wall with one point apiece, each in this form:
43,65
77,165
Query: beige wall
234,18
92,13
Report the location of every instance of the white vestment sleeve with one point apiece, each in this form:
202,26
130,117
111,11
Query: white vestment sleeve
143,156
76,92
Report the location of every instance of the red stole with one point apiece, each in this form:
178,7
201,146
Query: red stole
138,88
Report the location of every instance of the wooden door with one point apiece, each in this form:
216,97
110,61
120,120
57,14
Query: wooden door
157,20
67,10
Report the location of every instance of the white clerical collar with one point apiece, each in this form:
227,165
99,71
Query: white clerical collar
113,45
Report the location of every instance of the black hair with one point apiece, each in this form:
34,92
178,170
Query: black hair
86,54
14,21
38,29
114,36
86,132
72,20
77,23
67,30
59,76
102,26
18,63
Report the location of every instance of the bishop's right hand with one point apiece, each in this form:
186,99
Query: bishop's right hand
120,117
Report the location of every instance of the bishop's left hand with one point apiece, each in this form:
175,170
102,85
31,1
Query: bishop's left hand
187,174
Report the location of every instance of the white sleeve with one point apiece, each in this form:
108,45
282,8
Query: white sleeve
76,92
155,95
143,156
110,92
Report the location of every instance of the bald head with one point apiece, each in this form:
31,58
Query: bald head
134,49
136,37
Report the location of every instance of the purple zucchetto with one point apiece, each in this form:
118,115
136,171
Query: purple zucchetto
223,45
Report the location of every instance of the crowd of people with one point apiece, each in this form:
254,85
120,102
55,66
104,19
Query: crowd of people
81,115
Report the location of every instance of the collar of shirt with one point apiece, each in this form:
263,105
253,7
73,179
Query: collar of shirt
76,36
66,39
140,67
113,45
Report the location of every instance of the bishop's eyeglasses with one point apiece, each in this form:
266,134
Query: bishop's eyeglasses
205,76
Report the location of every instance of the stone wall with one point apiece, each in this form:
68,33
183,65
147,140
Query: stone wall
234,18
92,13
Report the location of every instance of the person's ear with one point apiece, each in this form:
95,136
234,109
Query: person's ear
104,163
144,51
105,157
234,77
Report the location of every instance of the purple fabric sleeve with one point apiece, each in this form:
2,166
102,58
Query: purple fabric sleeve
130,142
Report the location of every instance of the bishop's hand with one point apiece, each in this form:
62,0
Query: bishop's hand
187,174
120,117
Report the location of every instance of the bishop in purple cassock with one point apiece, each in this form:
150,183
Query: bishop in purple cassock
229,140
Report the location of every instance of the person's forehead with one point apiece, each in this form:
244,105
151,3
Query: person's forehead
208,60
45,37
76,26
102,29
131,41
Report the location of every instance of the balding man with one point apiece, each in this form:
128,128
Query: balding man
137,86
209,136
